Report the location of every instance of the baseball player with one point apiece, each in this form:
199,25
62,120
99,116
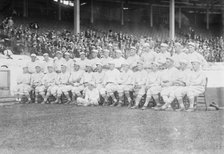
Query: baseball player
32,64
192,54
23,85
99,78
68,62
178,84
119,60
59,60
179,54
126,84
94,59
82,61
106,58
62,82
75,82
36,81
133,58
87,76
195,84
48,82
147,55
111,79
46,61
167,77
139,81
153,85
91,96
163,54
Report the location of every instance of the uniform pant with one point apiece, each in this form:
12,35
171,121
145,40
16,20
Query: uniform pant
124,88
140,90
154,90
23,89
101,89
63,89
111,87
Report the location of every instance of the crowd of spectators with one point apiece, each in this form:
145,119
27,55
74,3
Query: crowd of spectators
29,39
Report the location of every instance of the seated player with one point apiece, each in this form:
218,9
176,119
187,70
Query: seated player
48,82
195,84
75,85
98,78
110,82
91,96
63,87
153,85
23,85
36,82
179,83
139,79
167,77
126,83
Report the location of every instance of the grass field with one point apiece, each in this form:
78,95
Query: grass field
36,128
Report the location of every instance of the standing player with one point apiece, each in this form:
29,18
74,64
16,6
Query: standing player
68,62
32,64
59,60
46,61
82,61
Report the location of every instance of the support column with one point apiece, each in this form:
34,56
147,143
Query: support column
122,13
91,13
25,8
207,19
59,10
180,18
76,16
172,19
151,16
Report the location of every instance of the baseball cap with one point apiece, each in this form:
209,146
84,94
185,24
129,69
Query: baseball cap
33,55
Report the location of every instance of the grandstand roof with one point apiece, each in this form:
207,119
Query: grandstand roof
183,3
